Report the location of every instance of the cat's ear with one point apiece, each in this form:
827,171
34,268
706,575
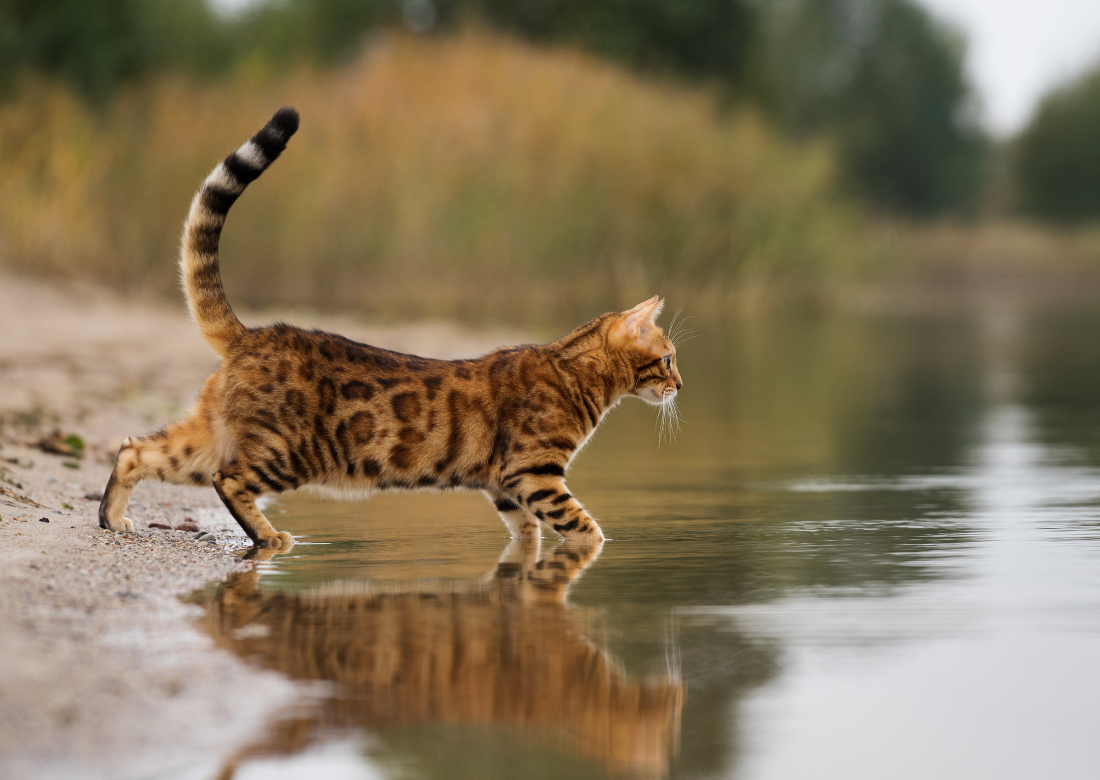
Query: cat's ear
634,324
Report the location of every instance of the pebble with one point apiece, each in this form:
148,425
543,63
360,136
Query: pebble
188,525
93,496
207,537
43,519
160,526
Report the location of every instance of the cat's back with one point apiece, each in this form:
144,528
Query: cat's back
292,374
286,357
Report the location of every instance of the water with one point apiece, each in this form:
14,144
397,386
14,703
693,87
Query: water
873,551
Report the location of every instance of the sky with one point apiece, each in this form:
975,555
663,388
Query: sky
1018,49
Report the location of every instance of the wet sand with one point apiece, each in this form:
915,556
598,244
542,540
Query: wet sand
103,673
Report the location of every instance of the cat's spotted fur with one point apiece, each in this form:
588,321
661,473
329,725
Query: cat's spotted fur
289,408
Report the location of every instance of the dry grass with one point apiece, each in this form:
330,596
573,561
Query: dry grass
471,176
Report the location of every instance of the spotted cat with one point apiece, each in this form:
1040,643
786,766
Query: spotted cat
290,408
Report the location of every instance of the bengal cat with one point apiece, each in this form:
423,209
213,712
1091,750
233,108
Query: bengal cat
290,408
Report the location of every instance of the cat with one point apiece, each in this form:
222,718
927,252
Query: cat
290,408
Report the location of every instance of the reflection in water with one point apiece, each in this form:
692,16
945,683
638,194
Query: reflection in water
508,651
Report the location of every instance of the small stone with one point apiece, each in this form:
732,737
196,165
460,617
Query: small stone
188,525
43,519
206,536
93,496
57,444
160,526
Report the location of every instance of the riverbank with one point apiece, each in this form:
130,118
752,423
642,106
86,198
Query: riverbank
105,674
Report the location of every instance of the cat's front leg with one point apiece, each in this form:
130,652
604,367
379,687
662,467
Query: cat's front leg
521,523
547,498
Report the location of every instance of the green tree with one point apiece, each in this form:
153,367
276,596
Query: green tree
886,81
326,31
97,44
1058,153
709,38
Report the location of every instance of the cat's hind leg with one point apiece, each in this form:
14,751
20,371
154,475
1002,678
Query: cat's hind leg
183,453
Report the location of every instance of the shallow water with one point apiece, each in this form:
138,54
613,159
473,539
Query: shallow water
872,551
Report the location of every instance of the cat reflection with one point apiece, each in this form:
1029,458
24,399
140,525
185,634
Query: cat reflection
507,650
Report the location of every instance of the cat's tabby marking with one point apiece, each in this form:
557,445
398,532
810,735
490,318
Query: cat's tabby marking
289,408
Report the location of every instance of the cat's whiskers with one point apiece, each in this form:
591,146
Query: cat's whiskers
668,417
677,331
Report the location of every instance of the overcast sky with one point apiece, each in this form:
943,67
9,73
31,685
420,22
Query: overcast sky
1018,49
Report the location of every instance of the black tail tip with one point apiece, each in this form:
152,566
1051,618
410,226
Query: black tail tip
285,121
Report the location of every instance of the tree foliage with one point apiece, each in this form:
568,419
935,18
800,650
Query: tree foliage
97,44
885,80
711,38
1058,154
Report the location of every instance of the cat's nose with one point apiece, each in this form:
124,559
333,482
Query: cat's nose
679,384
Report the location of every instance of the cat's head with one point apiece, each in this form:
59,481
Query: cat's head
635,336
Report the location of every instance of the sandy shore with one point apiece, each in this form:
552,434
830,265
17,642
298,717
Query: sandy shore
102,671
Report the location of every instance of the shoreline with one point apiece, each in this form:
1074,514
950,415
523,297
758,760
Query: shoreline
106,673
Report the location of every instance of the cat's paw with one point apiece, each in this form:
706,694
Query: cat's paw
280,542
119,525
590,535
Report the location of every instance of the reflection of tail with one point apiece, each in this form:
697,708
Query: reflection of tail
506,651
199,271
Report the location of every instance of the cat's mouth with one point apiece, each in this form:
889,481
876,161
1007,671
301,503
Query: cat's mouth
658,396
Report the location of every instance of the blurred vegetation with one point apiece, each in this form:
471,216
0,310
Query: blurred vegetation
1058,154
468,176
736,148
880,77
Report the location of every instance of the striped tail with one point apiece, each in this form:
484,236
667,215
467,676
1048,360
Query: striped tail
199,272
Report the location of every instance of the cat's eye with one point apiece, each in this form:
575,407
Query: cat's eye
668,362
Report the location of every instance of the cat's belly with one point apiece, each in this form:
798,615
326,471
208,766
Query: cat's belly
360,489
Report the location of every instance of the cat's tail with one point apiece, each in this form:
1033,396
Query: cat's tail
199,271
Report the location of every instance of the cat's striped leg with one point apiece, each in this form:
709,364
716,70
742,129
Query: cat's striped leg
520,522
183,453
546,497
238,490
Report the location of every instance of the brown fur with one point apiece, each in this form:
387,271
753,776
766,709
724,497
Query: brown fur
290,408
508,651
